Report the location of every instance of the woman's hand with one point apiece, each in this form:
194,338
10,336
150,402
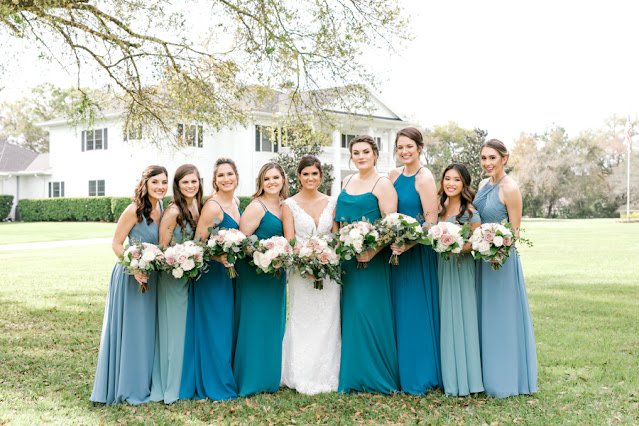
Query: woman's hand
222,259
366,256
403,249
141,278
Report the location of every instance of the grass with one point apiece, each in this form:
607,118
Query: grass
584,296
31,232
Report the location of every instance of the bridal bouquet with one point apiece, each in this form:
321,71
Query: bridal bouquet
272,255
400,229
356,238
230,242
317,258
448,238
492,241
184,260
142,257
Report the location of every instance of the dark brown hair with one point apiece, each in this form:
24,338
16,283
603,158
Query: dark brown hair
218,163
140,195
411,133
498,146
467,192
184,213
309,161
366,139
259,182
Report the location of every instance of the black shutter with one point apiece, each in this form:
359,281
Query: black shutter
104,139
61,189
84,133
257,138
50,190
200,136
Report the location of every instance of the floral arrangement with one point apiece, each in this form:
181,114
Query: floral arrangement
231,242
448,238
317,258
272,255
492,242
355,238
184,260
142,257
400,229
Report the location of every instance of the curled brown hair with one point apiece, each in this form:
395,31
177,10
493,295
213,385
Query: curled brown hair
141,193
498,146
366,139
259,182
218,163
467,192
309,161
184,213
413,134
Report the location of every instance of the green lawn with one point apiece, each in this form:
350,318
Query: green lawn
584,296
31,232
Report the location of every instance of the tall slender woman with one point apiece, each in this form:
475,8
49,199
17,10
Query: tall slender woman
178,222
461,362
260,300
508,355
207,370
369,351
415,297
125,361
312,341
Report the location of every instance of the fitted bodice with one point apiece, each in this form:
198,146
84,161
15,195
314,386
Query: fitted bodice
408,200
488,204
352,208
178,235
464,218
270,226
144,233
305,224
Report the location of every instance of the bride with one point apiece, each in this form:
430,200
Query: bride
312,341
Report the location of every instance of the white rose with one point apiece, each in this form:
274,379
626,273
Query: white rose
143,265
354,234
148,256
498,241
177,273
134,263
483,247
188,264
306,252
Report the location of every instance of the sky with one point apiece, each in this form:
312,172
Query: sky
503,66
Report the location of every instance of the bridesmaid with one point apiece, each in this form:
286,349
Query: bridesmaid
461,362
414,280
178,222
207,371
260,300
125,361
369,351
509,358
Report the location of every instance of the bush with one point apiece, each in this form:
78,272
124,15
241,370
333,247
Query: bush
90,209
6,201
118,204
244,201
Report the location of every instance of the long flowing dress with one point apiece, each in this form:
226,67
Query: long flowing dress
125,361
207,370
260,316
173,298
369,351
312,341
508,355
415,303
461,360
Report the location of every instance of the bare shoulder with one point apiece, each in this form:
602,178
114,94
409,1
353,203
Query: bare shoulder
347,179
171,210
212,208
129,214
471,208
384,184
394,174
509,187
254,209
424,176
482,183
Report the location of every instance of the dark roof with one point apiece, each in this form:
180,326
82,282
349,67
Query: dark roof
14,158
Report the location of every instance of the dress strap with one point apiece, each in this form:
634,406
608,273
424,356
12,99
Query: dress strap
381,177
216,202
262,204
348,181
502,178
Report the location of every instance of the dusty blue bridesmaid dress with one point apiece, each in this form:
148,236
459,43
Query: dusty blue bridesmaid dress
369,351
207,370
260,316
415,303
125,361
508,355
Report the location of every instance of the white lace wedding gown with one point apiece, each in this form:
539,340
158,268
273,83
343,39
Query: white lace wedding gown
312,342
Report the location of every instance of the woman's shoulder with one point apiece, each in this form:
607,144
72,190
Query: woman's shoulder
424,174
482,183
508,186
394,174
130,212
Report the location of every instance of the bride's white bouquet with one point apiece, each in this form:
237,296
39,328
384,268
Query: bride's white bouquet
317,258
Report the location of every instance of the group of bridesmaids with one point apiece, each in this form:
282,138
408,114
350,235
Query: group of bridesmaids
426,323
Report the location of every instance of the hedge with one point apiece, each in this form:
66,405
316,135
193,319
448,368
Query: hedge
6,201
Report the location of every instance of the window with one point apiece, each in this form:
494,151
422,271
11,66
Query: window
346,140
56,189
191,134
94,139
96,188
133,133
264,139
379,143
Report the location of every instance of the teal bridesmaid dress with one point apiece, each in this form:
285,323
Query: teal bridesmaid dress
415,303
260,315
207,369
369,352
173,298
461,361
125,360
508,354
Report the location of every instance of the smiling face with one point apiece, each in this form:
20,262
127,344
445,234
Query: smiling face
491,161
189,185
407,150
452,183
273,181
157,186
310,178
363,156
225,178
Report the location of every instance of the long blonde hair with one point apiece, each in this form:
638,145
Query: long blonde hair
259,182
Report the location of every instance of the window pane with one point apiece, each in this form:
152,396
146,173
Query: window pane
56,189
101,188
97,139
90,136
104,139
190,135
180,131
91,188
266,141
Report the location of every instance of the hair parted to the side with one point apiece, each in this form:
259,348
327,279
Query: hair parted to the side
467,193
366,139
218,163
184,213
413,134
140,195
259,182
308,161
498,146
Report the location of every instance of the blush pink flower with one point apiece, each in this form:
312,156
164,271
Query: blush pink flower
508,241
489,237
447,240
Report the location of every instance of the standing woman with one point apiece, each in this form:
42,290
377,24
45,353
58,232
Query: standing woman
369,351
509,358
415,296
125,361
260,300
178,222
461,361
207,370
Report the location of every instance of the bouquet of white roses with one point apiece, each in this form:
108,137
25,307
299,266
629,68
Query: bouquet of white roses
400,229
448,238
492,242
317,258
230,242
184,260
142,257
355,238
272,255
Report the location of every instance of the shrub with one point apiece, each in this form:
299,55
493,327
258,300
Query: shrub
6,201
118,204
244,201
90,209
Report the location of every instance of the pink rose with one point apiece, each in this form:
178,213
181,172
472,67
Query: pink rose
269,245
170,260
324,258
135,254
447,240
182,258
489,237
288,249
508,241
277,264
280,242
436,231
197,257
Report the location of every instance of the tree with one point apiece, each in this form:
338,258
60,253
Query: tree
162,69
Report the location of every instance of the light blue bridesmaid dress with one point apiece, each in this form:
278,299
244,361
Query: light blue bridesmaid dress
461,360
415,303
508,356
369,351
125,361
207,370
260,315
173,298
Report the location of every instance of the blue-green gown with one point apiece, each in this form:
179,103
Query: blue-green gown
369,352
207,370
461,360
415,303
508,354
125,360
173,298
260,316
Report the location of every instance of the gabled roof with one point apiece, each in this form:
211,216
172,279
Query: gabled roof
14,158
